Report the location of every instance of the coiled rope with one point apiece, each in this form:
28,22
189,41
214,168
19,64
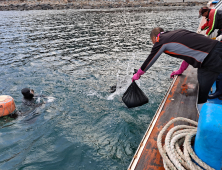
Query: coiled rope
173,157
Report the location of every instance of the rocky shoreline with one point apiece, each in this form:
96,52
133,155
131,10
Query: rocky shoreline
21,6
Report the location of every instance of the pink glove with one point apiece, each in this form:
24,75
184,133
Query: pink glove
137,75
183,67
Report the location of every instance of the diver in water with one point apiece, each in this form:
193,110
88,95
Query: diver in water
29,97
29,103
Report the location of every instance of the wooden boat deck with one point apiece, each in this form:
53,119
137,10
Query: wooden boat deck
180,101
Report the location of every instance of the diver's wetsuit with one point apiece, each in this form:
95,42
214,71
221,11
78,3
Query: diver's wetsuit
29,106
32,102
197,50
29,102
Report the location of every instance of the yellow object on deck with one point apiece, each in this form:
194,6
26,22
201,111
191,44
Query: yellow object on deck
7,105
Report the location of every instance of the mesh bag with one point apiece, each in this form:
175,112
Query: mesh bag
134,96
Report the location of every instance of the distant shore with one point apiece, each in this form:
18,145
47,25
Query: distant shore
53,5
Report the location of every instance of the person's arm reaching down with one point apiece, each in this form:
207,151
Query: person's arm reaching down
154,55
205,26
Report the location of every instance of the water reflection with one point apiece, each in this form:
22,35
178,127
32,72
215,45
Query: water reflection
72,55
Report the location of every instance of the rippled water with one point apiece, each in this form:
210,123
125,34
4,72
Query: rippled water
75,56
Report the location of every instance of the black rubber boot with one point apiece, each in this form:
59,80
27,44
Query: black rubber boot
214,95
218,92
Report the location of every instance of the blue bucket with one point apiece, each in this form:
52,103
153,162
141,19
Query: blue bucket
208,141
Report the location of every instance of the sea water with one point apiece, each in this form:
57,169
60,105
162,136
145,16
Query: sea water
73,57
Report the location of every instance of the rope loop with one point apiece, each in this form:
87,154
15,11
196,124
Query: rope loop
178,137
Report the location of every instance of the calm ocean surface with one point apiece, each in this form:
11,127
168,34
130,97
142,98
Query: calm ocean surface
75,56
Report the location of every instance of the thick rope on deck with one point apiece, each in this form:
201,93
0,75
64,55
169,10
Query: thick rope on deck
173,157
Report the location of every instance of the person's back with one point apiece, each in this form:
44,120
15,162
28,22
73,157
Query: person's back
183,44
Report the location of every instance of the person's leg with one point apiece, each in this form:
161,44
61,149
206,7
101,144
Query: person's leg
206,79
218,91
220,86
213,65
220,76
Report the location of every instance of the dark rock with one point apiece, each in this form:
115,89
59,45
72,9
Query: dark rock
86,7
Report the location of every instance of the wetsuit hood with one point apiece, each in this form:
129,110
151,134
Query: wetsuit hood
27,94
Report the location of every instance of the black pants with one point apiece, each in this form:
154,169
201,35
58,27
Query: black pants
209,71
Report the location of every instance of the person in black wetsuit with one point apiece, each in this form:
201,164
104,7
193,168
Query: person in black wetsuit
29,103
29,97
28,94
195,49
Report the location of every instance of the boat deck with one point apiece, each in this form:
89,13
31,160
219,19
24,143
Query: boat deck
180,101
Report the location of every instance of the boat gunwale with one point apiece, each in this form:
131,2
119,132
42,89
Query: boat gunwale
150,128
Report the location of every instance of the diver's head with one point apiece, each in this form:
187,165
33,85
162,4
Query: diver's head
154,33
28,93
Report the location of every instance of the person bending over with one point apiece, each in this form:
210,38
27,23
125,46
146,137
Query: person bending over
214,20
202,53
